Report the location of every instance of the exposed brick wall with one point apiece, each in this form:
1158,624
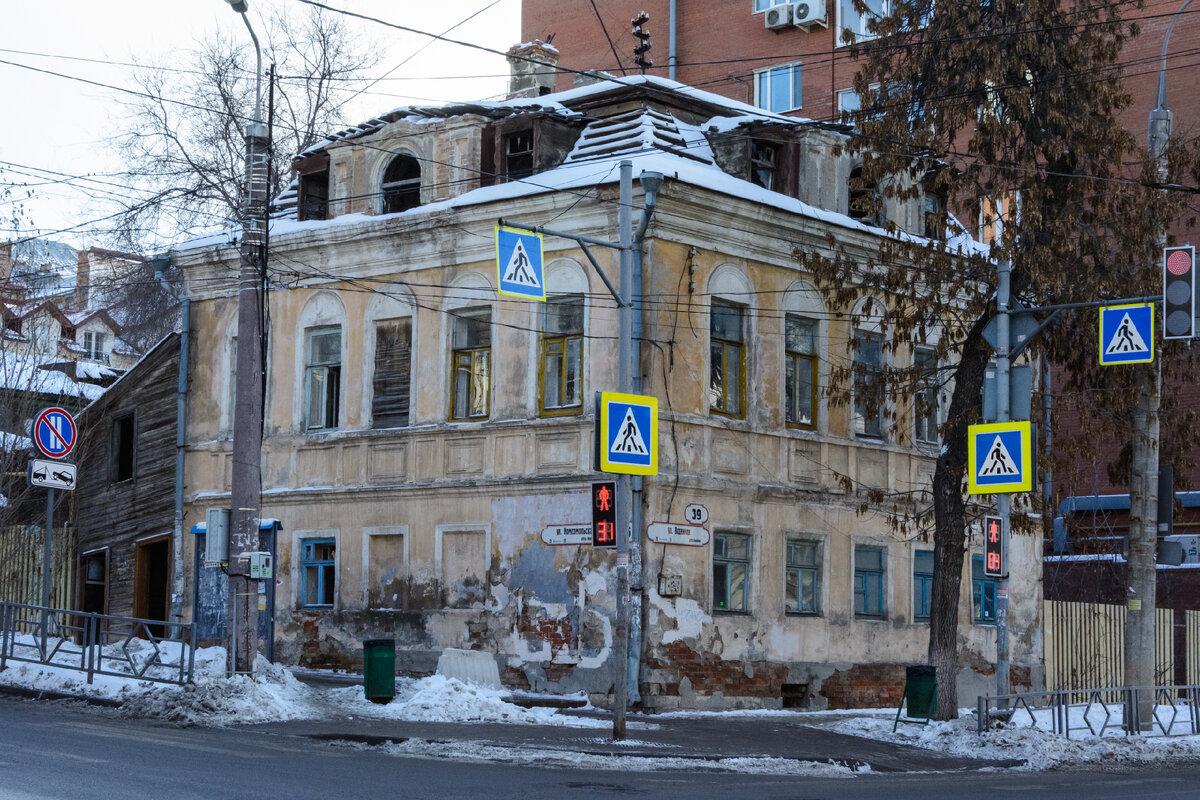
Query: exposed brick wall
865,686
708,674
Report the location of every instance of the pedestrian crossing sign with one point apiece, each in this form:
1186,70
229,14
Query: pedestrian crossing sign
628,433
1127,334
519,264
1001,458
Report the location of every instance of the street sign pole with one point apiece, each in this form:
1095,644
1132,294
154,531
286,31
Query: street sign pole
624,481
1003,413
47,550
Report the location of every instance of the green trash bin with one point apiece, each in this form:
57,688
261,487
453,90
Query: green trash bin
920,695
379,670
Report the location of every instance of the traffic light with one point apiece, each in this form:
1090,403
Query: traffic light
1179,292
993,547
604,514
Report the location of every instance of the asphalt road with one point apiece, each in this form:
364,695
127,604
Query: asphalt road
58,750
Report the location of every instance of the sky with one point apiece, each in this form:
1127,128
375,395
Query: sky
63,123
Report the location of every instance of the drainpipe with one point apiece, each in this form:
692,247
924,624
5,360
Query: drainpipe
672,60
176,609
651,182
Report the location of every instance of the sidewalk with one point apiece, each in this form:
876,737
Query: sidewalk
702,738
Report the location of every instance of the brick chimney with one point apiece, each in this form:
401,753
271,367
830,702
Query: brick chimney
83,278
532,68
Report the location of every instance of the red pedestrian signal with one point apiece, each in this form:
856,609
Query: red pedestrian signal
604,514
1179,292
993,547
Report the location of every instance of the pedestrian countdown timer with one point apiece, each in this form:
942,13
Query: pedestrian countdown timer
993,547
1000,456
604,514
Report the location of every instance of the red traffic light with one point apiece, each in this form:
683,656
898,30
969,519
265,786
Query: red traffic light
1179,292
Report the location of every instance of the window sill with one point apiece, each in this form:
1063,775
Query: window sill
988,623
732,612
317,608
864,618
803,614
558,413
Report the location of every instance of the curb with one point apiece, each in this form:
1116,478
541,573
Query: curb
46,694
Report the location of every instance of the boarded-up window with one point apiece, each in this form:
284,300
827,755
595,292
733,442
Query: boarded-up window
393,353
386,569
464,568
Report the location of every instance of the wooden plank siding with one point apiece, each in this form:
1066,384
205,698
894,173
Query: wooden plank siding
21,565
116,514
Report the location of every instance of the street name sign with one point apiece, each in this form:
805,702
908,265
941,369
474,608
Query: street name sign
54,432
670,533
1127,334
628,433
519,264
1000,456
51,474
562,535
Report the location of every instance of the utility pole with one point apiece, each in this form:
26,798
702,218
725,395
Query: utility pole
624,482
242,631
1003,500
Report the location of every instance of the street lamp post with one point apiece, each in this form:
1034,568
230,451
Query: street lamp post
248,419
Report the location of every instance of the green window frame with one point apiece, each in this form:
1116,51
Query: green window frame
322,378
560,379
727,354
800,372
318,573
868,582
470,365
802,577
868,384
925,398
983,594
922,584
731,572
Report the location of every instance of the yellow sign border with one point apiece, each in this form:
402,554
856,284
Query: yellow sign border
1100,325
651,440
499,268
1025,428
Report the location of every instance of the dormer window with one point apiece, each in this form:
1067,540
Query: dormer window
314,196
763,157
401,185
864,198
518,155
93,345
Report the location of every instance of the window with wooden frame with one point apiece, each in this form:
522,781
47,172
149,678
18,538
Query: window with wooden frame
122,448
764,156
470,364
868,384
922,584
865,203
802,577
390,381
561,375
925,396
731,572
518,154
401,186
868,581
800,371
318,573
727,366
322,378
983,594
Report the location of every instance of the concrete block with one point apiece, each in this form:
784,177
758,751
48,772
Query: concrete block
470,666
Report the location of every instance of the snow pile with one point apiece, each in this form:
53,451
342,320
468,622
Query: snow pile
441,699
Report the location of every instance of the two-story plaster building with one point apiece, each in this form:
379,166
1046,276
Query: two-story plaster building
422,430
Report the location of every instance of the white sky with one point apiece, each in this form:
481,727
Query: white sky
62,124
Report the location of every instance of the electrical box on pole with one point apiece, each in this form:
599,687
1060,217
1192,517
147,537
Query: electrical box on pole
216,537
1179,292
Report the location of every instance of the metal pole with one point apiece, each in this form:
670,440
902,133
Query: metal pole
47,551
624,484
1003,414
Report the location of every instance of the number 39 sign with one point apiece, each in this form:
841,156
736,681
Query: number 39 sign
695,514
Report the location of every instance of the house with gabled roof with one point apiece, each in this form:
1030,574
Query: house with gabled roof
427,439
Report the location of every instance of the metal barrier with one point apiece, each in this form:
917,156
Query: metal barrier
98,644
1174,710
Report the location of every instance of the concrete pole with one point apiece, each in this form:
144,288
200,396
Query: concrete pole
1003,414
248,420
624,482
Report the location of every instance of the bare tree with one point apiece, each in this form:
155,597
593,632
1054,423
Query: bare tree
183,144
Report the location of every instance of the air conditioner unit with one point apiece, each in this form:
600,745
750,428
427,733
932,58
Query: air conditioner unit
778,17
808,13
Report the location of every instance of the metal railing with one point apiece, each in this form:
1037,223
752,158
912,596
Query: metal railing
1174,710
98,644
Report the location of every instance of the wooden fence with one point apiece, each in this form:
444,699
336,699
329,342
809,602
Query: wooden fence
1085,645
21,566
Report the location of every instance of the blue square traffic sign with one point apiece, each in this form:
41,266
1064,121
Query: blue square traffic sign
1000,457
1127,334
519,264
628,433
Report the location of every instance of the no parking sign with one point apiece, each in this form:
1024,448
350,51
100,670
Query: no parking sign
54,432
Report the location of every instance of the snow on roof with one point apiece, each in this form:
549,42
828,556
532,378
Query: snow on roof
44,267
12,443
29,373
636,131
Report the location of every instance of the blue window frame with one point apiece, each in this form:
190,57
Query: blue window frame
778,88
318,572
922,584
868,582
983,593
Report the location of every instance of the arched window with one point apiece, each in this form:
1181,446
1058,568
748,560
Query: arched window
401,185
